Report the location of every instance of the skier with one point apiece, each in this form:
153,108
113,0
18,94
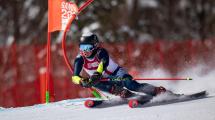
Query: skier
104,73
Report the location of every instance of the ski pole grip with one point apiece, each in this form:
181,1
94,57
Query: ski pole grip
189,78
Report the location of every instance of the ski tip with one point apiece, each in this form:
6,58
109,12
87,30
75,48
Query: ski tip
89,103
133,103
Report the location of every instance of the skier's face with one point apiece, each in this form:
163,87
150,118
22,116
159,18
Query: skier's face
86,50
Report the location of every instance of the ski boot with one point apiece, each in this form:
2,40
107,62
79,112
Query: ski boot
159,90
120,91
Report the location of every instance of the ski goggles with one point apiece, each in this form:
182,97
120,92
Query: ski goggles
86,49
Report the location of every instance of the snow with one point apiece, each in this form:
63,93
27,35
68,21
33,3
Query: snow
33,12
203,79
183,4
144,37
114,3
27,4
10,40
201,109
143,3
149,3
91,27
73,109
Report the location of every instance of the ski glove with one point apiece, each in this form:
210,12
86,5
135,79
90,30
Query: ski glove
85,82
93,80
96,77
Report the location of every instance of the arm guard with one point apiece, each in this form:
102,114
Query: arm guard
100,68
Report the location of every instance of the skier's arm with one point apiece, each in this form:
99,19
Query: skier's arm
104,57
78,64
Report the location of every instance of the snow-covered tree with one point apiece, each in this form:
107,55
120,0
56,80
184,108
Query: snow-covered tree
25,21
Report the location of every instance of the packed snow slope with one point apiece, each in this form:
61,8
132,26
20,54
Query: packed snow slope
200,109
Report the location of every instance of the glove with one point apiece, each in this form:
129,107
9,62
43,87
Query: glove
95,77
85,82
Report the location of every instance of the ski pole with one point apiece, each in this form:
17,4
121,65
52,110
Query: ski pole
98,94
173,79
188,78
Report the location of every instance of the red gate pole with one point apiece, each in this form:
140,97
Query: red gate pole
48,61
94,91
42,74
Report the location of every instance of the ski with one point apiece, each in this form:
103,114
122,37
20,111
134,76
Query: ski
134,103
198,94
118,101
104,103
141,100
92,103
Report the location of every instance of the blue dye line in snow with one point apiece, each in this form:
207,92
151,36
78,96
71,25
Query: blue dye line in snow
63,102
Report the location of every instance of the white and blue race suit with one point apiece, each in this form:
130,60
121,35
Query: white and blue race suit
112,71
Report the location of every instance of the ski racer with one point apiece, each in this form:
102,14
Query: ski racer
104,73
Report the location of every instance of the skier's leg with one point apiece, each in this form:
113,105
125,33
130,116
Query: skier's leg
126,80
113,87
105,86
151,89
141,87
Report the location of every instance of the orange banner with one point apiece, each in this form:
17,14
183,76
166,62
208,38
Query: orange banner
59,13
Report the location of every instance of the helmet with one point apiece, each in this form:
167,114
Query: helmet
88,44
89,38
